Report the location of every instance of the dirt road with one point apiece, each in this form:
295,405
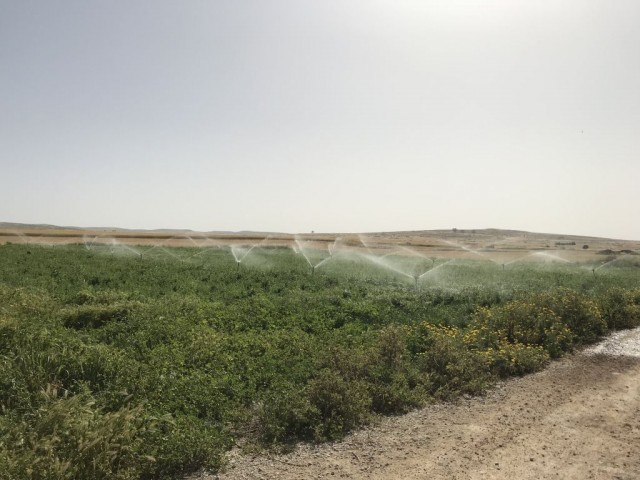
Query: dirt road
578,419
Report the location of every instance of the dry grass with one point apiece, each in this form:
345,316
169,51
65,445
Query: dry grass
496,245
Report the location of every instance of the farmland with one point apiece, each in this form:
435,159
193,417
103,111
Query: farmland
152,358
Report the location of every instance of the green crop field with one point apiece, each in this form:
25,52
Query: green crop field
122,364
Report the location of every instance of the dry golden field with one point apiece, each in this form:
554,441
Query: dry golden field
496,245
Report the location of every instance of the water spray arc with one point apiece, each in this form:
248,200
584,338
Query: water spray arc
161,247
117,247
23,238
239,254
471,250
300,249
610,262
417,274
551,257
88,244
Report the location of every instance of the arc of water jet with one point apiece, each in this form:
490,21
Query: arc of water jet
24,238
131,249
115,244
377,261
89,245
414,252
519,258
170,253
419,254
233,252
301,249
431,270
553,257
205,250
254,246
471,250
192,241
364,244
158,245
611,261
205,242
332,246
321,262
239,258
380,261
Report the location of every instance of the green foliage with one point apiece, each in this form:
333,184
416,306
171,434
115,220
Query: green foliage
449,366
581,313
621,308
68,437
516,358
114,365
393,373
95,316
341,404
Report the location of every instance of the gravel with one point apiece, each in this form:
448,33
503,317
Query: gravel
618,344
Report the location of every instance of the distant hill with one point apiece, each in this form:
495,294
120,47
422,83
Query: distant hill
460,233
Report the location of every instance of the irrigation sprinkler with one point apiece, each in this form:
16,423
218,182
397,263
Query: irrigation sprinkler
238,254
300,249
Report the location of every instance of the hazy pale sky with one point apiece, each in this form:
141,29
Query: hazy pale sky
324,115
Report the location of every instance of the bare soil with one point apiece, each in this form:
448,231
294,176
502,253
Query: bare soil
578,419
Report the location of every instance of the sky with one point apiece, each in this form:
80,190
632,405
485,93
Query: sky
331,116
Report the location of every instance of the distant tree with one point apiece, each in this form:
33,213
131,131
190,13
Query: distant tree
454,230
584,247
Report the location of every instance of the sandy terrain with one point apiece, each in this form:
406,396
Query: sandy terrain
578,419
